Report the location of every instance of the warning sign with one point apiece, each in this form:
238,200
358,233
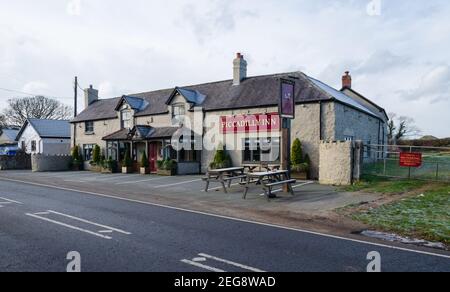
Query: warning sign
410,159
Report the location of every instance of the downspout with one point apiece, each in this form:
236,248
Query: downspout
320,121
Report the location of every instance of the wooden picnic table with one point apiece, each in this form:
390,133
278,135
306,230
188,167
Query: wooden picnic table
268,167
268,180
224,175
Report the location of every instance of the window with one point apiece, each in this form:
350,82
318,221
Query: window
87,151
89,127
33,146
178,112
126,119
261,150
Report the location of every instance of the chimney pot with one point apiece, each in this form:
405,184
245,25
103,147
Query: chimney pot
347,80
90,96
239,69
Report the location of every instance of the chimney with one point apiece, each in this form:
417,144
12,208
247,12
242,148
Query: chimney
90,96
239,69
347,80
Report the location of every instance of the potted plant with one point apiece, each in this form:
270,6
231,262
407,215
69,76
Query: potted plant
77,161
299,166
167,167
127,166
96,164
145,165
109,165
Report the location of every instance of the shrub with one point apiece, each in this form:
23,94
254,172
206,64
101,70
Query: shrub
96,158
297,153
76,154
169,164
127,160
144,160
221,159
109,164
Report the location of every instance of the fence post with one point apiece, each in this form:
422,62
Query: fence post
437,171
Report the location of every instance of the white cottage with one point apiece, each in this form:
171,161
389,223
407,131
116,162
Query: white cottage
50,137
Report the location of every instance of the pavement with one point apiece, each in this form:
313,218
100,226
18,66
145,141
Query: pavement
40,225
44,216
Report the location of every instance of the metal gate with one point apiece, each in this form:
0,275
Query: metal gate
384,160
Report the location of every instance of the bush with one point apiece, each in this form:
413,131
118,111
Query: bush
169,164
127,160
144,160
96,159
109,164
297,153
221,159
76,154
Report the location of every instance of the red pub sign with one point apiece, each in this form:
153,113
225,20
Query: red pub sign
410,159
257,123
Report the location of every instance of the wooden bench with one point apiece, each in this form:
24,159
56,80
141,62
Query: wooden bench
268,187
226,175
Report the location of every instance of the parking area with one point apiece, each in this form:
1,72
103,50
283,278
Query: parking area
310,199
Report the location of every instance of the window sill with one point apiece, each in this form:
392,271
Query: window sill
89,133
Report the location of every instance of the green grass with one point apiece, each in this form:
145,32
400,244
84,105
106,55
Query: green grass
385,185
425,213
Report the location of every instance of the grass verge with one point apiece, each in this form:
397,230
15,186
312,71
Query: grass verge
423,212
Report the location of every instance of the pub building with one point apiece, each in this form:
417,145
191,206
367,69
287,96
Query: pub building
240,114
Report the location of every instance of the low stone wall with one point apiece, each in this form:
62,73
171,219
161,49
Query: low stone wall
18,161
336,163
43,163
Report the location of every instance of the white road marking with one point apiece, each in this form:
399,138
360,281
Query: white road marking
139,181
231,263
10,201
229,218
68,226
198,265
294,187
176,184
90,222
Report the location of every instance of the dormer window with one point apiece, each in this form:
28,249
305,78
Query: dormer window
178,112
126,119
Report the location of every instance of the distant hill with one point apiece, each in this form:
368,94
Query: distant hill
433,142
429,138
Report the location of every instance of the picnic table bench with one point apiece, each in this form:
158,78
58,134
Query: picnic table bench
224,175
268,180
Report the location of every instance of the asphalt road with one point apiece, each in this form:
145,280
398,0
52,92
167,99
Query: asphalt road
39,226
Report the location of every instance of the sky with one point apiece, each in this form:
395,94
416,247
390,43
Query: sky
398,51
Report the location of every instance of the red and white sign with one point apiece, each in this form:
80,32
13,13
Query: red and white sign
410,159
257,123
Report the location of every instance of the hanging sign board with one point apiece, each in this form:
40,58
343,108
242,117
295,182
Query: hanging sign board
287,99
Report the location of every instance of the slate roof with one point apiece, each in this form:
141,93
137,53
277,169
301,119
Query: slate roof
145,133
258,91
9,135
48,128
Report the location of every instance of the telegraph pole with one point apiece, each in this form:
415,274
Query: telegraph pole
75,110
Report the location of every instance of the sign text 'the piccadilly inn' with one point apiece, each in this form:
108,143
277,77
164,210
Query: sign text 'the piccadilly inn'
250,123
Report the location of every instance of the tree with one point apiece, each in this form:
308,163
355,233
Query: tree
96,157
2,121
38,107
401,127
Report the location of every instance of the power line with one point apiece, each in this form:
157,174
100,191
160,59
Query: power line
30,94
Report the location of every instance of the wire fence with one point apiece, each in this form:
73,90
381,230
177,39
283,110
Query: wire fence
384,160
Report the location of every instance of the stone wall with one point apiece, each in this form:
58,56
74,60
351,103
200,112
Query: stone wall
19,161
336,163
43,163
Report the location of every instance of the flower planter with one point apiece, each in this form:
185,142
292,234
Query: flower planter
299,175
145,170
107,170
96,168
127,169
164,172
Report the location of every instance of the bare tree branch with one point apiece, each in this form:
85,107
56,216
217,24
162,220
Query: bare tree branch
38,107
401,127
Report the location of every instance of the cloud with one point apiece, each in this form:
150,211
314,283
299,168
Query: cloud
434,86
